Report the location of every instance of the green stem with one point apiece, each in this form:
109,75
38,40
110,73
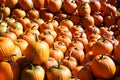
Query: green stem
69,55
59,63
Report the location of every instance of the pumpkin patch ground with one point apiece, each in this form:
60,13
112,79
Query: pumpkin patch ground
59,40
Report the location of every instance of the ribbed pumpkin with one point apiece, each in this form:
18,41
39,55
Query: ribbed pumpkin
103,67
101,47
9,70
33,73
7,47
58,72
37,52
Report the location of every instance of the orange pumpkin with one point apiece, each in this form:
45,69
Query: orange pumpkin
28,4
116,52
103,67
58,72
10,69
101,47
84,9
82,73
54,5
7,48
69,61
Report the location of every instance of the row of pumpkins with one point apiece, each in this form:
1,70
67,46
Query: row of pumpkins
59,40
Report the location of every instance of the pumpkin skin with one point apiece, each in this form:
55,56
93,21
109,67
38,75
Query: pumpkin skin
33,73
9,70
54,5
7,47
101,47
37,52
103,67
84,9
58,72
117,52
28,4
82,73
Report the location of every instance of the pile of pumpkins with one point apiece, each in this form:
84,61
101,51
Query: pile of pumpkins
59,40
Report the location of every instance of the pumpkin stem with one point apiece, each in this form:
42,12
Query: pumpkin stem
74,77
83,4
54,47
59,63
32,67
101,57
9,59
75,41
7,30
81,34
33,27
37,38
1,19
69,55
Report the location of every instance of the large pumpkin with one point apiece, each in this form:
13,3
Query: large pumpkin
33,73
103,67
9,70
7,47
58,72
101,47
37,52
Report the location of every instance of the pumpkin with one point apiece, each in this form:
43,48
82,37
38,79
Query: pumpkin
17,54
4,11
37,52
11,3
18,13
28,4
69,61
9,35
22,44
58,72
7,48
76,53
87,21
69,6
82,73
49,63
95,6
38,3
32,14
46,15
103,67
56,53
64,39
54,5
84,9
47,37
98,18
61,45
76,43
101,47
10,69
116,52
66,22
32,72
